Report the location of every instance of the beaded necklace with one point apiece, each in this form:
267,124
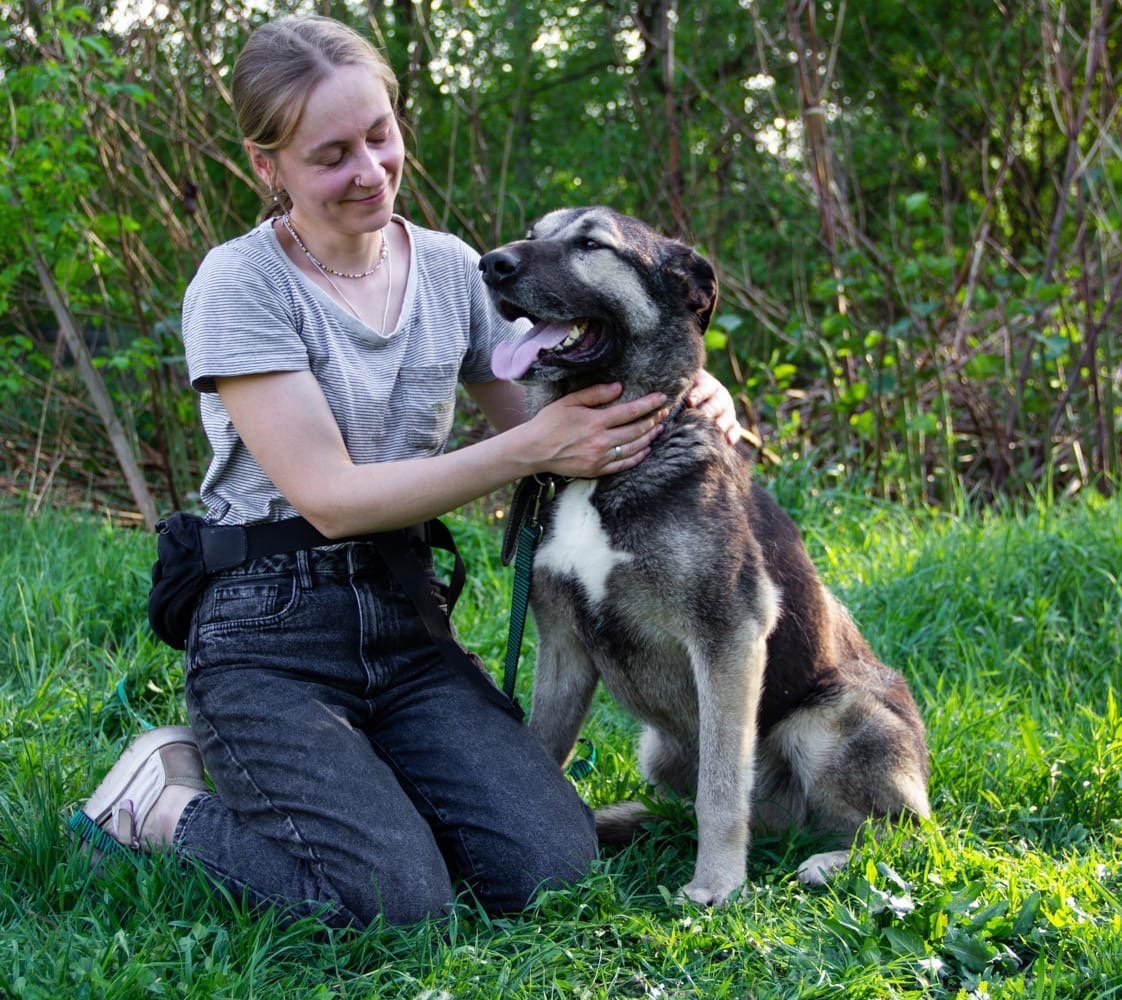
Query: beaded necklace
326,272
383,256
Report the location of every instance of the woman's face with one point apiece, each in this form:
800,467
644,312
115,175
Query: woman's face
342,167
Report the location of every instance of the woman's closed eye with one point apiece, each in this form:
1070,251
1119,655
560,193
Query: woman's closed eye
337,156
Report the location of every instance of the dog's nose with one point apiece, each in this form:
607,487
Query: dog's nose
497,266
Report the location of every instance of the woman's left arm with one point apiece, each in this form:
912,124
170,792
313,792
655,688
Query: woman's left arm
503,403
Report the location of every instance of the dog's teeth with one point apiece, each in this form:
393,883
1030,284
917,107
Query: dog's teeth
576,331
575,334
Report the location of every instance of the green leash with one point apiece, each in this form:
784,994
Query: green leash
528,537
123,698
523,532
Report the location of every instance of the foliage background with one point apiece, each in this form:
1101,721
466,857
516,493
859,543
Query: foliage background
915,214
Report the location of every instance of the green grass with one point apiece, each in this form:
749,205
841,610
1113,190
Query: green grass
1008,626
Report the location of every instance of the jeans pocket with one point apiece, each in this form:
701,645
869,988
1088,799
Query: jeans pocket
248,603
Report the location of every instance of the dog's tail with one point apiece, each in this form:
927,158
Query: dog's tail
621,822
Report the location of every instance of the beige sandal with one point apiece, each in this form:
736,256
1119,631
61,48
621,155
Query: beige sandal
114,817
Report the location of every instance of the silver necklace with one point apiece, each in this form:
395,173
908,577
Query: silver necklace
383,256
354,311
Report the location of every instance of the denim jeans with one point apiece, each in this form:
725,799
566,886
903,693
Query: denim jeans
357,772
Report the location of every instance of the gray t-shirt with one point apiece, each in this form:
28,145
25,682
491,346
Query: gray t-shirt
250,310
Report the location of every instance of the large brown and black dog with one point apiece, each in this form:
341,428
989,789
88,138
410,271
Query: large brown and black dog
682,586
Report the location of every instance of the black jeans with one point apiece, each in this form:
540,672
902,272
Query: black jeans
357,772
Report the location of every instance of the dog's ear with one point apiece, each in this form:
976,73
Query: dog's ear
696,280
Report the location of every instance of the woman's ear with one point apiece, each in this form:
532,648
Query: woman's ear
263,163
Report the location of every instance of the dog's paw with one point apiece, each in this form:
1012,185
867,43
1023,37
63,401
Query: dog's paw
705,893
818,869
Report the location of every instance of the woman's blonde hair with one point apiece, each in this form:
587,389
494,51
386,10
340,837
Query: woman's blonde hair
282,62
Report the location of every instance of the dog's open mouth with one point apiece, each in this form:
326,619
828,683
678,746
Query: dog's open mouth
571,342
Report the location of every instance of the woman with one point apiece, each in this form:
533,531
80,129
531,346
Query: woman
358,772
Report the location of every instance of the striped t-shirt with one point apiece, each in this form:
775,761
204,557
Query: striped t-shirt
250,310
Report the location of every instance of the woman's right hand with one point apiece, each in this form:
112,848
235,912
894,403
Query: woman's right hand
582,436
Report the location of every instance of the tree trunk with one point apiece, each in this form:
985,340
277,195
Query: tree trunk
99,394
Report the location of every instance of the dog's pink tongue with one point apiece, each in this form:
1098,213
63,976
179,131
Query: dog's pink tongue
510,359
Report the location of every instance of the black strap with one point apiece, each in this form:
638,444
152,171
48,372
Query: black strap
413,577
526,495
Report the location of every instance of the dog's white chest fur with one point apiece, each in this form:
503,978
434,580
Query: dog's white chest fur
577,545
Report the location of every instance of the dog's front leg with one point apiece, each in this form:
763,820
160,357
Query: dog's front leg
729,682
564,682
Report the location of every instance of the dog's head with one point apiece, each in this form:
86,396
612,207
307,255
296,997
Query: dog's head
609,298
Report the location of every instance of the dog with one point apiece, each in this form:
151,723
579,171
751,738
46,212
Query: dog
681,585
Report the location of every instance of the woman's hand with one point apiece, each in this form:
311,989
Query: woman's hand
711,398
580,435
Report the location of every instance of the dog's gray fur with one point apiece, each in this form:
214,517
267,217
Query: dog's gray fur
685,588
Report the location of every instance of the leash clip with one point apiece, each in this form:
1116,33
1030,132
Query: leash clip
530,495
544,494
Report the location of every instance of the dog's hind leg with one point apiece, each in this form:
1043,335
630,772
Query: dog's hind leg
857,757
902,797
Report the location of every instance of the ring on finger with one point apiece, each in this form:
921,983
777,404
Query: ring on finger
617,453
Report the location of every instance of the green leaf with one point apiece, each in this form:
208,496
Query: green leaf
924,423
970,950
917,205
905,942
984,916
715,340
1052,292
864,424
835,323
1026,917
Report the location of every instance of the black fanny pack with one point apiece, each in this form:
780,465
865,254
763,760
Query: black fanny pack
188,550
178,577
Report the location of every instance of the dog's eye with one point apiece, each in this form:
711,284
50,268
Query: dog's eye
591,244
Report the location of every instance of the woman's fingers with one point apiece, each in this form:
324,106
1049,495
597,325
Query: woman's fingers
711,398
594,436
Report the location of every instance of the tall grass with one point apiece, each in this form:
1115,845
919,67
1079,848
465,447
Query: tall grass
1008,626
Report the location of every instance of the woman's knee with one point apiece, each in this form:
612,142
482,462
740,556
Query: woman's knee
399,888
407,898
553,857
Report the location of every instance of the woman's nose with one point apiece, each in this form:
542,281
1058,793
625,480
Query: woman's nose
370,168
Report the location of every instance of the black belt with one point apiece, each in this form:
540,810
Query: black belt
228,545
